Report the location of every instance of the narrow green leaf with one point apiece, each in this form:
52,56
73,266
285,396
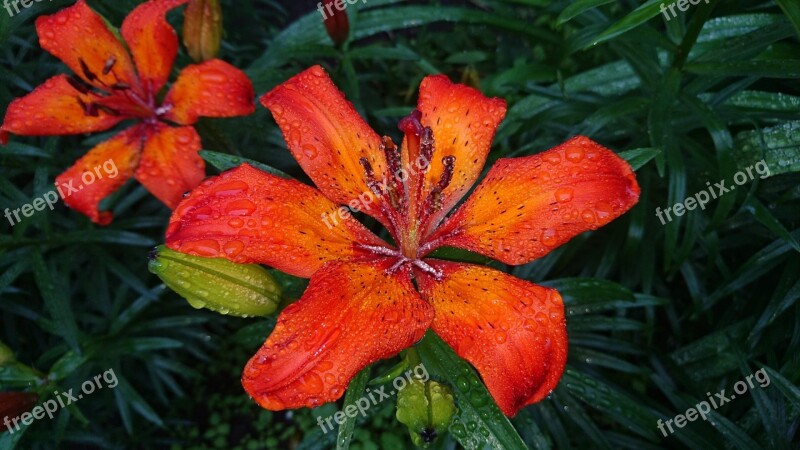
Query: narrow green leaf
479,418
639,16
355,391
638,157
225,162
579,7
792,10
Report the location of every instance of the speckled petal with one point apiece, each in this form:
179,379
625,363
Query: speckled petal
464,122
171,165
526,207
249,216
210,89
511,330
54,108
351,315
81,39
153,42
327,137
99,173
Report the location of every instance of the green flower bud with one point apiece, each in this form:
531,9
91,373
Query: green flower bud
6,355
217,284
202,29
426,408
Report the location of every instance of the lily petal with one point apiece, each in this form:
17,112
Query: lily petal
153,42
81,39
512,331
171,165
526,207
249,216
327,136
351,315
88,182
463,122
210,89
54,108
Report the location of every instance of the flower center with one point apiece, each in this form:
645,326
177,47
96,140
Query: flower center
99,95
404,199
403,260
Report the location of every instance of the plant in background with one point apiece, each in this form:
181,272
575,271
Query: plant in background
361,304
112,84
202,29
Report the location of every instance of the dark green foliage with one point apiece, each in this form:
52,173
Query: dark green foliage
658,314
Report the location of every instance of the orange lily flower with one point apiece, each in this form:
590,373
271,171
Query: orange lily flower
116,81
368,299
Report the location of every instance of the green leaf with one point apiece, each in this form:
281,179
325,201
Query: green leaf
223,162
479,419
639,16
638,157
56,300
778,146
792,10
355,391
785,68
579,7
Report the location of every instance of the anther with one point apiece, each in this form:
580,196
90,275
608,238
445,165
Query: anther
109,64
426,148
372,184
90,109
120,86
107,110
86,72
78,84
449,163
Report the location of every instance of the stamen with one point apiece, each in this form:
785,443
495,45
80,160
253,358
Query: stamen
449,163
372,184
107,110
426,148
89,109
109,64
120,86
434,201
425,267
392,156
380,250
86,72
78,84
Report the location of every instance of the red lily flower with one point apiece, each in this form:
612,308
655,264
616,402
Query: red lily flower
361,304
113,84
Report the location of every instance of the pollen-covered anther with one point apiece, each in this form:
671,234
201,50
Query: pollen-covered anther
79,84
426,145
86,71
372,184
434,201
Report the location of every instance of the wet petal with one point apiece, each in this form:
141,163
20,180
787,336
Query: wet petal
153,42
81,39
249,216
351,315
463,122
526,207
171,165
55,108
512,331
210,89
99,173
327,137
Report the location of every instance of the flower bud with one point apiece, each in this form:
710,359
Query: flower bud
426,408
14,404
202,29
242,290
336,21
6,355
